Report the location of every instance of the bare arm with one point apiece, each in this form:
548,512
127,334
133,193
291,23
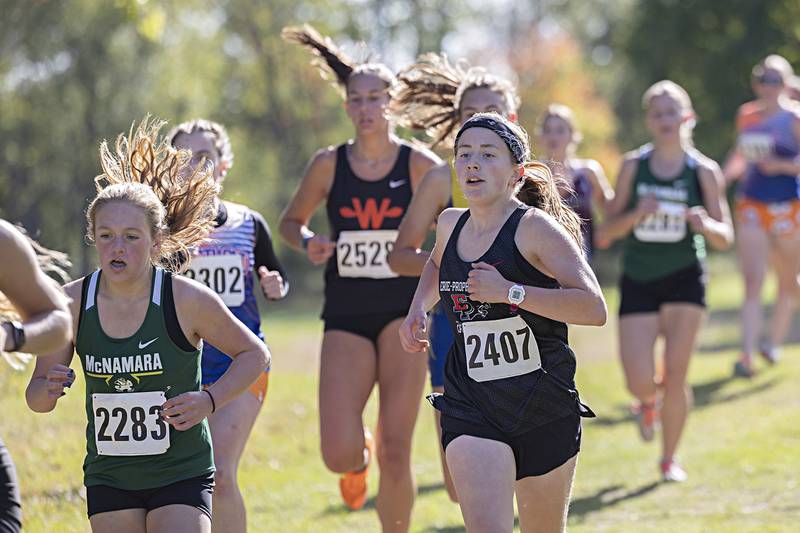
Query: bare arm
38,299
430,198
52,373
421,162
548,247
620,220
310,193
412,331
203,315
602,192
714,220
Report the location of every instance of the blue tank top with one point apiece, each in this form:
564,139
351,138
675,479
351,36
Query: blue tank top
580,200
225,263
774,136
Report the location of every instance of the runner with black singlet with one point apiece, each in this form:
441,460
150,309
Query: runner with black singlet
34,316
511,273
137,331
235,259
588,190
669,202
437,96
367,184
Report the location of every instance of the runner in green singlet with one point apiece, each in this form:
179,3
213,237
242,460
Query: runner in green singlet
669,202
137,331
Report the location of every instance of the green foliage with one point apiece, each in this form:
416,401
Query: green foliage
709,47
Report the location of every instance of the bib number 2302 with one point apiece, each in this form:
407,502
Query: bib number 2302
130,423
498,349
362,254
222,274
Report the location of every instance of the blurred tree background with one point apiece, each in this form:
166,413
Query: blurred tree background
74,72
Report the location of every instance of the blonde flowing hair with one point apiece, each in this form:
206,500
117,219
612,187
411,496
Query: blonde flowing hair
145,171
429,93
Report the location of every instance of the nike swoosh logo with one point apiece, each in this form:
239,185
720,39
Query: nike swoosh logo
143,345
396,184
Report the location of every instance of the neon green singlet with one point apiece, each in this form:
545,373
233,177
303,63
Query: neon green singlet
128,445
456,194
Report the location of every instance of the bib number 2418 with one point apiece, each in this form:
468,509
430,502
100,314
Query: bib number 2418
498,349
130,423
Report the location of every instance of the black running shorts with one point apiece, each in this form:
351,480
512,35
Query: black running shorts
194,492
536,452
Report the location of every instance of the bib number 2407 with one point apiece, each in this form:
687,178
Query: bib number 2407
130,423
498,349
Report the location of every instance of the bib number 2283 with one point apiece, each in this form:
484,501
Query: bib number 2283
498,349
130,423
362,254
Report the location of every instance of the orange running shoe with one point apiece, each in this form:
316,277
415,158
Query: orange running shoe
353,485
647,419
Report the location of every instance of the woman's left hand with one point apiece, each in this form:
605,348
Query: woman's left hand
486,284
186,410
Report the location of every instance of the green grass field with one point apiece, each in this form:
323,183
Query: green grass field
740,448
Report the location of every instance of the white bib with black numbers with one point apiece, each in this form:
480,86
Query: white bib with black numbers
498,349
667,224
222,274
130,423
754,146
362,254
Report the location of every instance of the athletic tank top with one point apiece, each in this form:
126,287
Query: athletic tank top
364,217
771,136
580,200
663,243
224,263
512,370
128,445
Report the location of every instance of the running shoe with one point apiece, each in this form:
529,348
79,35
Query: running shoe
769,353
671,471
647,419
743,370
353,485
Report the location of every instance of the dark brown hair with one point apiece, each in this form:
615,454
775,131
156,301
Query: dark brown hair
334,65
538,187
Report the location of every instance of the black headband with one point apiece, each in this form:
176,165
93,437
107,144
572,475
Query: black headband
514,143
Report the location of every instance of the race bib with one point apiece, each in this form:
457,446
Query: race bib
130,423
498,349
222,274
668,224
755,146
362,254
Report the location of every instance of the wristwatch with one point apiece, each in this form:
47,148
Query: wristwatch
516,294
17,335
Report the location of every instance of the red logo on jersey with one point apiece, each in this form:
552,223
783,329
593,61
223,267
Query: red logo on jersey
464,308
370,216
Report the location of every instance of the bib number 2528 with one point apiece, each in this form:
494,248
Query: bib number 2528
130,423
498,349
362,254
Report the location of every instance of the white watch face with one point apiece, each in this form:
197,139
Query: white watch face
516,294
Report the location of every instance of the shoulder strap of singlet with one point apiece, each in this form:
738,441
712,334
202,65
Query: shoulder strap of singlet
404,158
342,165
171,321
91,292
157,283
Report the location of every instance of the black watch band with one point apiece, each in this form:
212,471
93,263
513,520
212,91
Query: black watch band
17,335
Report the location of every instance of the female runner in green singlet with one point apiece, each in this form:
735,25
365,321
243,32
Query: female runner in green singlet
669,201
138,331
